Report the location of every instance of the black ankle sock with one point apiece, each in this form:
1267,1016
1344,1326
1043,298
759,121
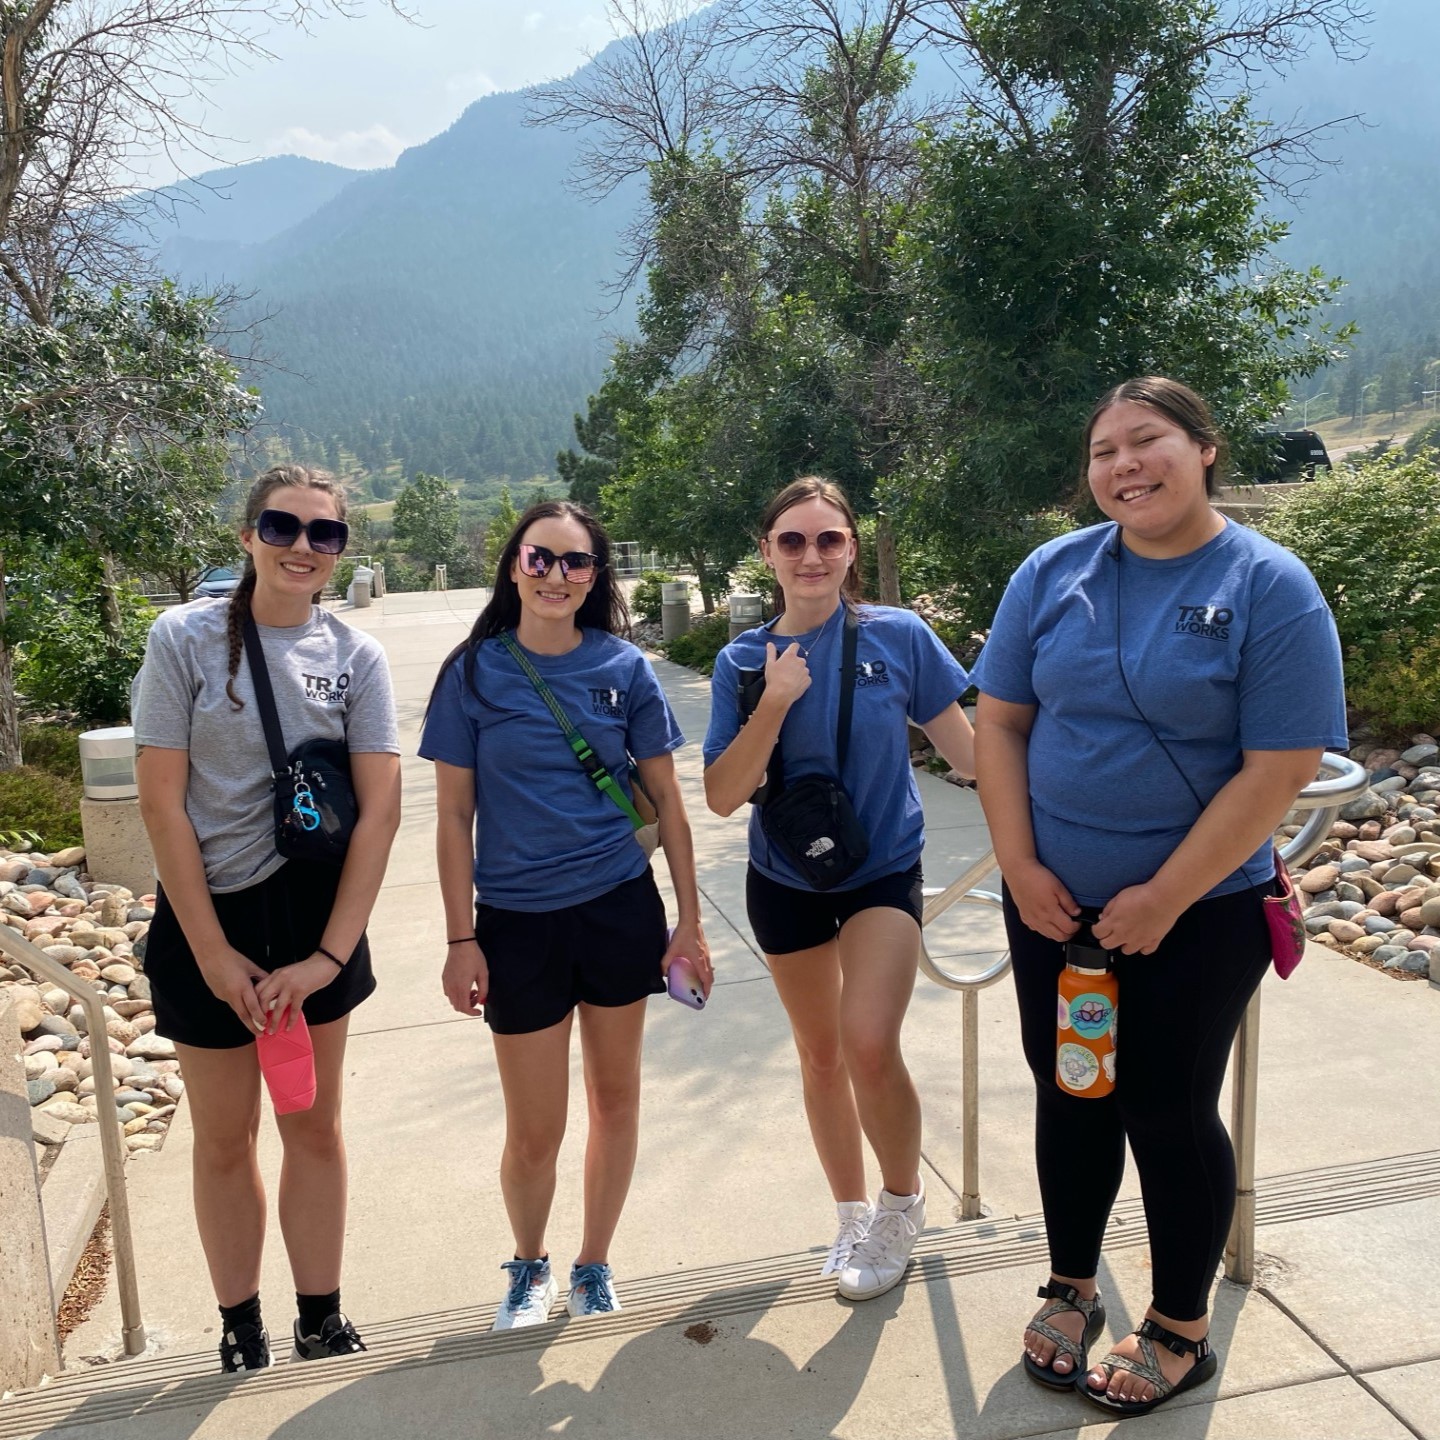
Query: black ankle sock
247,1312
315,1310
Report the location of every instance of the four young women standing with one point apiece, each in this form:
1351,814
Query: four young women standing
1153,695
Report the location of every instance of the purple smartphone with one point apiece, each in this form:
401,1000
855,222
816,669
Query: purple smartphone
684,985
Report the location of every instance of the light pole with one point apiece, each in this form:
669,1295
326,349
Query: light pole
1305,412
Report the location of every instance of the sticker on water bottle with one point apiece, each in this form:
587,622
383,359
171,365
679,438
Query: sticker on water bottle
1077,1067
1091,1015
1062,1015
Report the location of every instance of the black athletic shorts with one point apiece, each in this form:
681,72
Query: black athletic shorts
277,922
786,919
606,951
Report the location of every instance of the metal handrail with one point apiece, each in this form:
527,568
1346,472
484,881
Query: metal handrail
1340,781
112,1148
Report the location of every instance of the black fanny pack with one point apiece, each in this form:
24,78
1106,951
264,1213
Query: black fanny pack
315,806
811,820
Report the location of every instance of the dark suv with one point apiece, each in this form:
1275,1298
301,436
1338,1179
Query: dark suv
1291,455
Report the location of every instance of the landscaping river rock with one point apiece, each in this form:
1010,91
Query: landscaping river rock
92,930
1372,890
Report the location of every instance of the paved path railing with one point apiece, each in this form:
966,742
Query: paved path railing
112,1146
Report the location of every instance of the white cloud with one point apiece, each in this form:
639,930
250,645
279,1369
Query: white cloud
368,149
534,20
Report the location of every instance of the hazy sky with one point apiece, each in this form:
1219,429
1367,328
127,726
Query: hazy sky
359,91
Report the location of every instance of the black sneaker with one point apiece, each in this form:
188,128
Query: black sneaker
246,1347
337,1337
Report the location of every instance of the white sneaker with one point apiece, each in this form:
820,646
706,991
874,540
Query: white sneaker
592,1290
880,1258
531,1294
854,1222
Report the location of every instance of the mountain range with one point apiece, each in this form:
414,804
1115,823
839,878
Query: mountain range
452,312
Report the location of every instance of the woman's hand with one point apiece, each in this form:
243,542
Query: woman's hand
689,941
466,977
283,992
1136,920
232,977
1045,905
787,676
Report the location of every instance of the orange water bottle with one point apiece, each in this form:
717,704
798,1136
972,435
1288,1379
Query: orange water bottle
1085,1019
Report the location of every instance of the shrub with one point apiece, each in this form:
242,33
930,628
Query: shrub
645,598
1370,534
753,576
65,663
52,748
49,805
1397,689
982,563
704,640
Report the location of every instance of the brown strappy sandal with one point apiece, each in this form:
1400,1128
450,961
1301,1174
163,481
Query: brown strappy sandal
1063,1299
1148,1369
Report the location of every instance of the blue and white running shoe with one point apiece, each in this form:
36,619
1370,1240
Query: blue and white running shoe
531,1294
592,1290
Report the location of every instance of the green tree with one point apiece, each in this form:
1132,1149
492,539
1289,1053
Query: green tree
427,520
498,529
1097,216
100,414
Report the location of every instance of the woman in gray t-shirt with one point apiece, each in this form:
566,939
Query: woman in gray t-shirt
243,939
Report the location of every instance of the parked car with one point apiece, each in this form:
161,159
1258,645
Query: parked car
217,580
1293,455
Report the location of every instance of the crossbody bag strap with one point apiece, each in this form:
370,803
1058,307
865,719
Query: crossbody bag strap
264,697
848,648
590,762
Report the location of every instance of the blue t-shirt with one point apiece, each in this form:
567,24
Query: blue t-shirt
902,671
545,837
1229,648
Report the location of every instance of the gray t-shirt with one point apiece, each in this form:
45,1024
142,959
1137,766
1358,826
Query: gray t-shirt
330,682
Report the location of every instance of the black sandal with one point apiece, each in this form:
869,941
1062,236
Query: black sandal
1064,1299
1148,1369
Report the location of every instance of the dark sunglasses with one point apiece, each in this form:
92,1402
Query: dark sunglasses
280,527
831,544
577,566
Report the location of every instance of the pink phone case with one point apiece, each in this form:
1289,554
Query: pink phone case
684,985
287,1060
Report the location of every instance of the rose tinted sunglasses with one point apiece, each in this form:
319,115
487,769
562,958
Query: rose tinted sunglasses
280,527
831,544
577,566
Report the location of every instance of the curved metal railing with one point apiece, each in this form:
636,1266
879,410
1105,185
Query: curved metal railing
1340,781
112,1148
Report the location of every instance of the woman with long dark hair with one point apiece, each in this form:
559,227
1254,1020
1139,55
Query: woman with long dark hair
843,959
242,939
1154,693
550,904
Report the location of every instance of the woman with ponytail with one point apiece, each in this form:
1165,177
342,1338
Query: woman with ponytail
244,940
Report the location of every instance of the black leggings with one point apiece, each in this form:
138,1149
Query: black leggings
1177,1016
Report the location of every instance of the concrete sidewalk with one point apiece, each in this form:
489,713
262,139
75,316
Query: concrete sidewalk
727,1330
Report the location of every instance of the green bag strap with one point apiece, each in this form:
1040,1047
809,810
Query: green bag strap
603,780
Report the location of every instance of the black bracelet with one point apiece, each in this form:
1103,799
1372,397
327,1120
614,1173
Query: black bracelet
321,950
463,940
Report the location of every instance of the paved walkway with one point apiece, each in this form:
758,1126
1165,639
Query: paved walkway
727,1330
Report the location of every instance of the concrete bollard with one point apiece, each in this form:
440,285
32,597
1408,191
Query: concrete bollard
361,587
746,612
29,1346
674,608
117,849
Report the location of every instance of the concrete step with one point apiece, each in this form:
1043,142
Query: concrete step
156,1396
